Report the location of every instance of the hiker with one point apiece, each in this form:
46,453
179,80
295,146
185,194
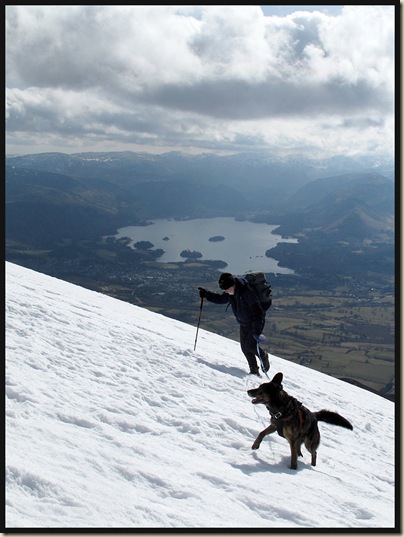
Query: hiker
249,314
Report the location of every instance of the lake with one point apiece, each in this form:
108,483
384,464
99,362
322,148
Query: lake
243,247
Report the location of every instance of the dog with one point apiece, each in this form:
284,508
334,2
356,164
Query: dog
292,420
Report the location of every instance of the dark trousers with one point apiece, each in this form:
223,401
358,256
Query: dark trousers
249,347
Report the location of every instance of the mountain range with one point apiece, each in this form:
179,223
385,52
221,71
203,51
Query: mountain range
53,195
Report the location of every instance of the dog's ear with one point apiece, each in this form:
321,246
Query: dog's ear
278,379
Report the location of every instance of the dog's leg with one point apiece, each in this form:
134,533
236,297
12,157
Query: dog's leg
312,441
262,435
313,458
294,452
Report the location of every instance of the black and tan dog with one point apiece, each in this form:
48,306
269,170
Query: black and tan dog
291,419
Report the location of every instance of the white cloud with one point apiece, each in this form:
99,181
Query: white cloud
125,74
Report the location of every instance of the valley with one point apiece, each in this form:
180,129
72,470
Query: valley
334,307
344,329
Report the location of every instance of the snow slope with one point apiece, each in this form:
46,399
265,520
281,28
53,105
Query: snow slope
113,421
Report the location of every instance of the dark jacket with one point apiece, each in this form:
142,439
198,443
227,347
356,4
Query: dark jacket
245,305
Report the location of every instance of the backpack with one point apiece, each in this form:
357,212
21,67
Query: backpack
257,281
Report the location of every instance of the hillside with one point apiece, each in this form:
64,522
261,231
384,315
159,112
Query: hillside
208,184
114,421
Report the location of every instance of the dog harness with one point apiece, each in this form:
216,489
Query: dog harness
280,418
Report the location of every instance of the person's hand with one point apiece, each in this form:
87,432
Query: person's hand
259,338
202,292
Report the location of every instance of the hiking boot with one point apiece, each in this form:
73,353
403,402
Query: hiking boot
255,372
265,362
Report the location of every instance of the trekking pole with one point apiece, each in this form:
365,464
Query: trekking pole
199,320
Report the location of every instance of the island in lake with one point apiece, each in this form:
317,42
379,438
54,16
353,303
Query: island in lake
190,254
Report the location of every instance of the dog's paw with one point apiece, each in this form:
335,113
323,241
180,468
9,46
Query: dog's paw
255,445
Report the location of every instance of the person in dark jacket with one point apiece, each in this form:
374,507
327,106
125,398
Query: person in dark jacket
249,314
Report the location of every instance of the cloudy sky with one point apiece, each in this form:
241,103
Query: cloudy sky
314,80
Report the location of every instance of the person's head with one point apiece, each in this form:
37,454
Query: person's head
227,282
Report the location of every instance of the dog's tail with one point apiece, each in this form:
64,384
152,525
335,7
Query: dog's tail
332,417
